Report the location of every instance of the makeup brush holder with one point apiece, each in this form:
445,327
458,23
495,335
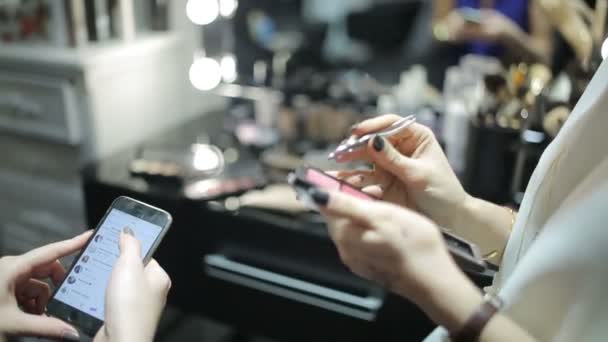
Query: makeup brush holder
491,155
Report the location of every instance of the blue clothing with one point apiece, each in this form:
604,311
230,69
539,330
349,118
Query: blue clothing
516,10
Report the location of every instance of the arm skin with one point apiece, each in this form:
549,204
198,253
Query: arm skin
486,224
404,251
441,8
451,307
536,46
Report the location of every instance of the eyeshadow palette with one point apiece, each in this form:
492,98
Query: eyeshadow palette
306,178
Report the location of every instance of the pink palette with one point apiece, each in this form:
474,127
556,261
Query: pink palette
325,181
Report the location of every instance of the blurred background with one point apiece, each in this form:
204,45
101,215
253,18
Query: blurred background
202,107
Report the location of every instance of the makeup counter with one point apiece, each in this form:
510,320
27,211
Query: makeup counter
295,76
244,251
264,270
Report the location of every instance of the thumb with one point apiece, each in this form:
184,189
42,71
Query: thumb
129,246
385,155
342,205
158,279
43,326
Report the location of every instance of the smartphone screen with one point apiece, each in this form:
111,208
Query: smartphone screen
80,299
85,285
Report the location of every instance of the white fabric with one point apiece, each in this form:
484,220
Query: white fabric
554,273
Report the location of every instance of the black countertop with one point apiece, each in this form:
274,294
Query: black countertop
260,271
211,127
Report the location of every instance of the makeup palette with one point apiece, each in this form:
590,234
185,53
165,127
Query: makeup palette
325,181
306,178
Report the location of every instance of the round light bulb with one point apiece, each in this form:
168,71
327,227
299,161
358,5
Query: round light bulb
205,73
202,12
228,7
228,66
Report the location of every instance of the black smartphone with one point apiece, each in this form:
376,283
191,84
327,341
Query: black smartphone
80,298
465,253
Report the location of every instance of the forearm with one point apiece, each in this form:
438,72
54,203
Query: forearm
441,9
526,47
500,328
486,224
135,335
452,304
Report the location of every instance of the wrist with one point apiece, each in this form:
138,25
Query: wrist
7,325
486,224
134,333
467,213
452,301
511,35
133,337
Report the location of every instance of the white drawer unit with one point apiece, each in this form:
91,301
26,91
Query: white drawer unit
61,108
39,159
39,106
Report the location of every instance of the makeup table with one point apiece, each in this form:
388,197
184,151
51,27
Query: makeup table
262,272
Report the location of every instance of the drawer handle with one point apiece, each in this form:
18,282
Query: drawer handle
13,111
19,106
364,308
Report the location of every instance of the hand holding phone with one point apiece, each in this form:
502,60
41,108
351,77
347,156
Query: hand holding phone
466,254
24,291
135,296
80,299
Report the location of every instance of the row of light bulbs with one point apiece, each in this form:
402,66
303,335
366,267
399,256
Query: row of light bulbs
204,12
206,73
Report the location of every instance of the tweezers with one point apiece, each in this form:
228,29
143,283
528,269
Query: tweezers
352,144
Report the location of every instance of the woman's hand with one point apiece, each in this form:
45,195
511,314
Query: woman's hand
411,170
405,252
390,245
24,296
496,27
492,27
400,250
135,297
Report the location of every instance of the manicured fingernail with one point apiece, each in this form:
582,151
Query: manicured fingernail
378,143
319,196
128,230
70,335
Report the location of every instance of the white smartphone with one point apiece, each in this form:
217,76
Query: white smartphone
80,298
